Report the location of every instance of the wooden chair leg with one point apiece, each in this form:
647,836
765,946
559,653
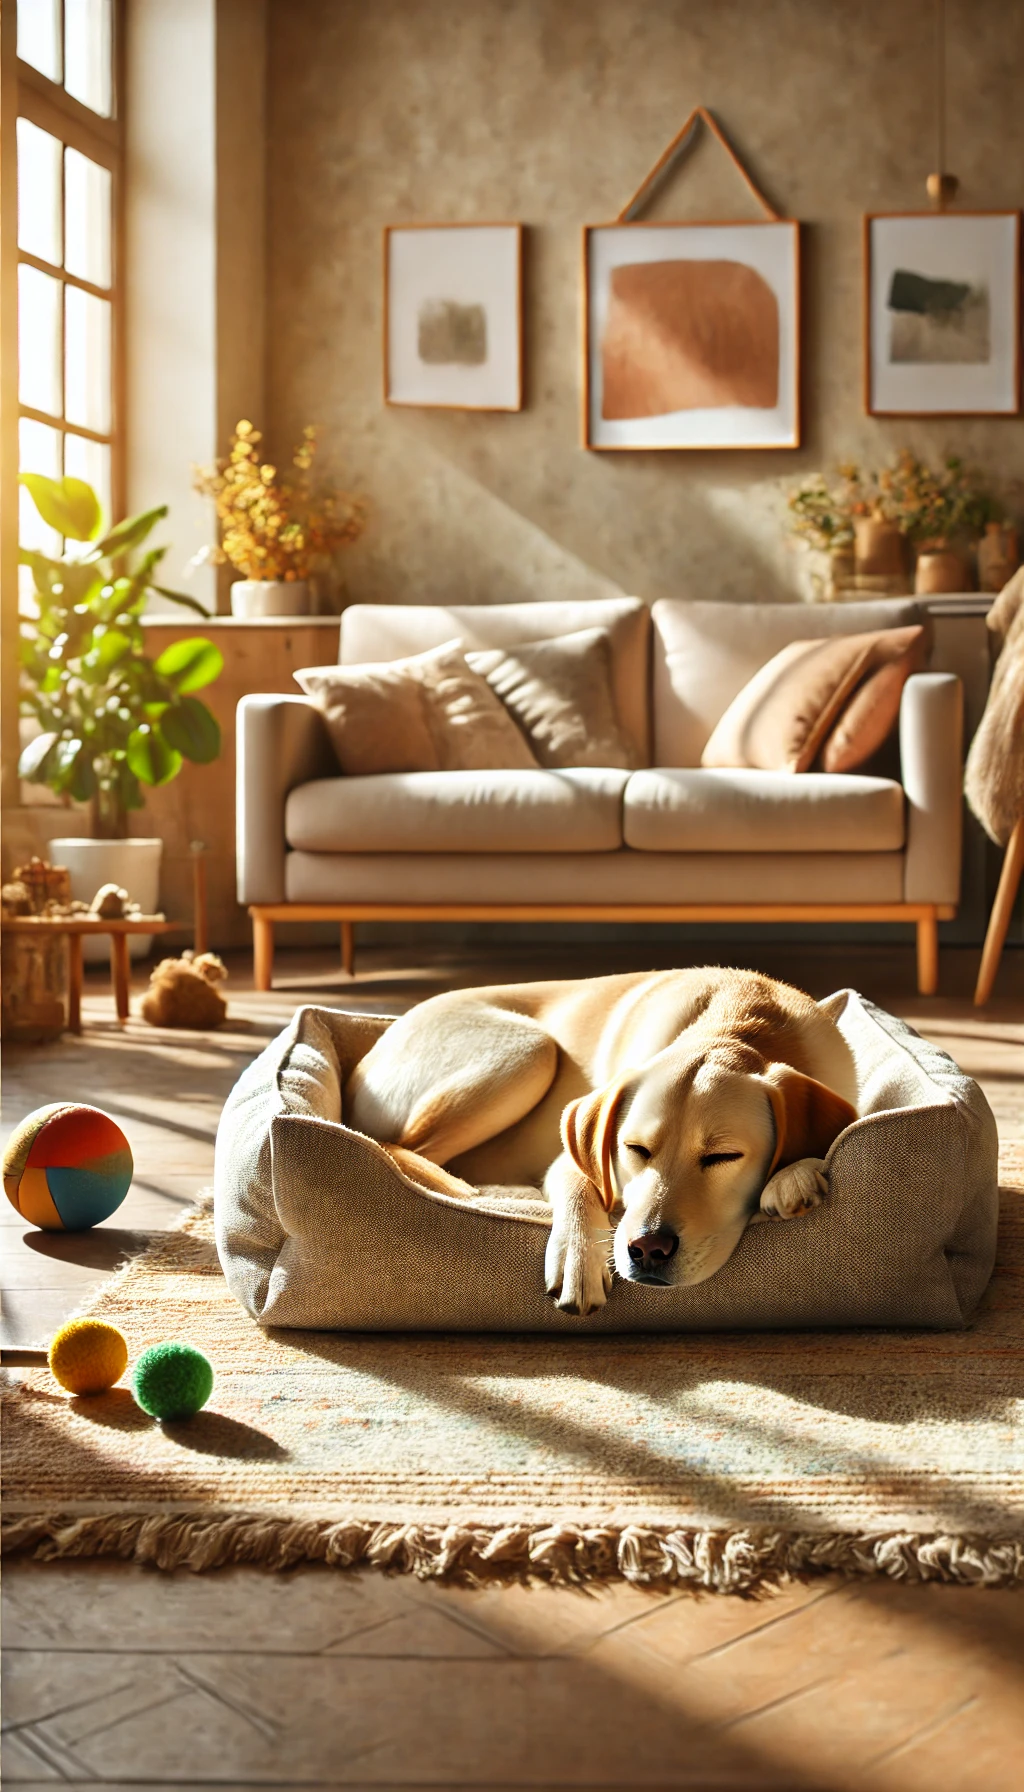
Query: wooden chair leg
74,982
348,947
999,919
120,966
928,954
262,952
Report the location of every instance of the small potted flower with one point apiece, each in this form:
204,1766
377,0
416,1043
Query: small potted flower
278,532
943,512
823,516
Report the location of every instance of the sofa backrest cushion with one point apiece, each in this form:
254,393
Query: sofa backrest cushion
704,654
391,631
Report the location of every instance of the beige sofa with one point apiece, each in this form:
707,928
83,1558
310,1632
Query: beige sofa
669,842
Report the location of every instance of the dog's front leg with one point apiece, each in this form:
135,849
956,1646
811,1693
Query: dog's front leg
577,1263
795,1189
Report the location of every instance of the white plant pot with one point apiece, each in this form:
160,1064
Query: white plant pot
251,598
132,864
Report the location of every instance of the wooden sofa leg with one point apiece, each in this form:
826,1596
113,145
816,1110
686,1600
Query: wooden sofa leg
999,919
928,954
348,948
262,951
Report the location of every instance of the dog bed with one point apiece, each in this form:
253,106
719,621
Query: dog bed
316,1226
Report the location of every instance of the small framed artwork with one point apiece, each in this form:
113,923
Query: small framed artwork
453,316
942,314
691,335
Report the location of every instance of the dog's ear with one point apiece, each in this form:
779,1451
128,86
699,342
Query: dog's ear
808,1115
588,1127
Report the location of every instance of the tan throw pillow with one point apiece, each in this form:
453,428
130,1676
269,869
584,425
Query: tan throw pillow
560,693
428,713
780,719
871,714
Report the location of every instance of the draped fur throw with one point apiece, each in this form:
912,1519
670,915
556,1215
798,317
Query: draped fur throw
994,782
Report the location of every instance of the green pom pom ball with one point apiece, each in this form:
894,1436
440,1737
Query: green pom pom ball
172,1381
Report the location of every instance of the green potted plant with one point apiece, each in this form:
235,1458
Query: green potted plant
111,720
277,532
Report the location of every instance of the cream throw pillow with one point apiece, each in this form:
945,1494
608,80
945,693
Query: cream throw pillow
560,693
428,713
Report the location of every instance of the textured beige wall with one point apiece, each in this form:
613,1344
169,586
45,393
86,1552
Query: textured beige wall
550,111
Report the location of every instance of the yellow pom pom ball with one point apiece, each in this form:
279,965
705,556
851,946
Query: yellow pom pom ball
87,1356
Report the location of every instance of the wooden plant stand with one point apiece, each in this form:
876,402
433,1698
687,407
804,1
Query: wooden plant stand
77,928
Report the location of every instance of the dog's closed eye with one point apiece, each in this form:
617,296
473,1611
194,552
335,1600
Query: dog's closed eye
641,1151
710,1158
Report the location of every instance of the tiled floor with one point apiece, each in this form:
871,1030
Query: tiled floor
115,1677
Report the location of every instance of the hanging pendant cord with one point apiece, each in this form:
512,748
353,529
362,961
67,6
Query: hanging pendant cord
940,82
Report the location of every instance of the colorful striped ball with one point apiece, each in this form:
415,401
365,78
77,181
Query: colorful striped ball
66,1167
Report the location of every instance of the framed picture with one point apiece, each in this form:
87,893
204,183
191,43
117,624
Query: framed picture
691,335
453,316
942,314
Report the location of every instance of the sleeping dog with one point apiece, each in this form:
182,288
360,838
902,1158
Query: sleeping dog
682,1100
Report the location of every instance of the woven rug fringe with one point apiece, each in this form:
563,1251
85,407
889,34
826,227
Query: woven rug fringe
742,1561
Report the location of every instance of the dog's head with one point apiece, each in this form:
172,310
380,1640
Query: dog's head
686,1148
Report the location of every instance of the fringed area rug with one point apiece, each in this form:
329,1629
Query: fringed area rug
728,1462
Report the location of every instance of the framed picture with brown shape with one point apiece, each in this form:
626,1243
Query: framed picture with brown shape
453,316
691,335
942,314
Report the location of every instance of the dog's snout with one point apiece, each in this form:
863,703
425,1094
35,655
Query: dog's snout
652,1250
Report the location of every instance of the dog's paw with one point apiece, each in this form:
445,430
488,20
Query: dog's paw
796,1189
577,1273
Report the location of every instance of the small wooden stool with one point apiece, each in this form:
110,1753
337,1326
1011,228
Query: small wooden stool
77,928
999,919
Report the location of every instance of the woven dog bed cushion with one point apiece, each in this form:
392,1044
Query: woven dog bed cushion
316,1227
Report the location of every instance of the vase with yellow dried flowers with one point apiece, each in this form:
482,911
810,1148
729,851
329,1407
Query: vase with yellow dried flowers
279,531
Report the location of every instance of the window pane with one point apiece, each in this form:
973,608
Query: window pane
88,53
39,372
38,452
89,461
38,192
86,218
39,35
86,359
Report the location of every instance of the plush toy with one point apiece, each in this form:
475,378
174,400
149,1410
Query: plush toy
87,1356
66,1167
182,992
172,1381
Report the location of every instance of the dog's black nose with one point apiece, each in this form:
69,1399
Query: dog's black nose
652,1250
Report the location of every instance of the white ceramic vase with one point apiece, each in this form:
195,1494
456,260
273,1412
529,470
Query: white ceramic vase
132,864
252,598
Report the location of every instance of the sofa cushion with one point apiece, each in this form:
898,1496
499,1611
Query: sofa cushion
623,879
577,810
389,631
560,693
704,653
680,809
429,712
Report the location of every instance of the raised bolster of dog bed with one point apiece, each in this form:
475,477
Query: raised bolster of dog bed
316,1226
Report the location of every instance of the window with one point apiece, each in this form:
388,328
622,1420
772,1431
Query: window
69,157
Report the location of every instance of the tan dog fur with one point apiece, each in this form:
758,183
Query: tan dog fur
679,1099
